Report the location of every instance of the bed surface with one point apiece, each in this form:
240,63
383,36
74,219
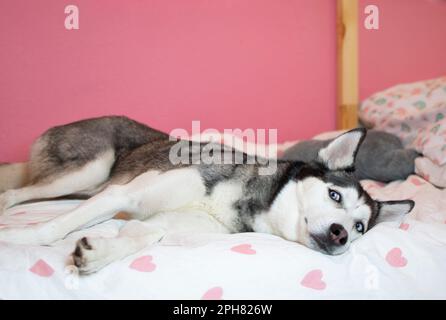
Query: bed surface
390,261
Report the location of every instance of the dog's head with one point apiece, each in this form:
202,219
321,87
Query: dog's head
335,209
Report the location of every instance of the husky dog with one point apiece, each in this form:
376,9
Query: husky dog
123,165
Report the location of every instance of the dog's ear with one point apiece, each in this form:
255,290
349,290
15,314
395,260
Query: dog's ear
340,153
393,210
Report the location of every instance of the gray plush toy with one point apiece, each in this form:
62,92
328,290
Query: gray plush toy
381,156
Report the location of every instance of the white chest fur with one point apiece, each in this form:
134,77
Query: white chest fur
283,218
219,204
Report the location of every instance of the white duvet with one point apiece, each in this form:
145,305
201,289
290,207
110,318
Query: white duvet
404,261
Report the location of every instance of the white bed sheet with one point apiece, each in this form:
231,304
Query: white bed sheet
391,261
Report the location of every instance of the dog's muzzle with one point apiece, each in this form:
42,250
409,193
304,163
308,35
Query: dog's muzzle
333,242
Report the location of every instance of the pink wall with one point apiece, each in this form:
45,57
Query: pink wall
228,63
409,46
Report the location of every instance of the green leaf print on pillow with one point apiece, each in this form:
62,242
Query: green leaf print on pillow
420,104
436,128
381,101
439,117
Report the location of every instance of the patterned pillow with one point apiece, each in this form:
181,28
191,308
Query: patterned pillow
415,112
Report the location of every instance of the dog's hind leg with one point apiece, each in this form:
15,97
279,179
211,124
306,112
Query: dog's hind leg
82,179
144,196
98,208
92,254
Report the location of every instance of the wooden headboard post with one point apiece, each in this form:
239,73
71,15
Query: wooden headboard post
347,55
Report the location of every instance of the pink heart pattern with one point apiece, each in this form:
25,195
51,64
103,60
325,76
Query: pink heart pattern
41,268
215,293
416,182
244,249
404,226
395,258
143,264
313,280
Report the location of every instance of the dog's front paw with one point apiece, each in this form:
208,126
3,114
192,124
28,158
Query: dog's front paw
90,255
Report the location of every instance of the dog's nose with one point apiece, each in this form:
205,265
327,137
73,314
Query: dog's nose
338,235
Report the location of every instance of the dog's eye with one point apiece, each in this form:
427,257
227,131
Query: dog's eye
334,195
359,226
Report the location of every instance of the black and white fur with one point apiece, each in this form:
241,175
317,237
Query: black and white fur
123,165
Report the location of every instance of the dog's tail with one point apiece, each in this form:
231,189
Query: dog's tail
13,175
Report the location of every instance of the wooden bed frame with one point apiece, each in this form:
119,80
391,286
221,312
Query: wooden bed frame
347,64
